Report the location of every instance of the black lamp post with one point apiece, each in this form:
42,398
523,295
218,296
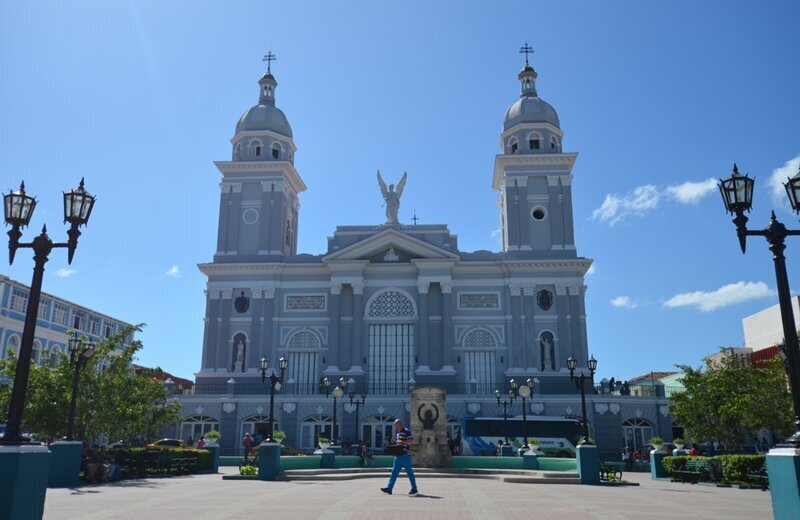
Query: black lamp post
275,383
523,392
18,207
505,403
737,194
357,403
337,393
572,364
80,352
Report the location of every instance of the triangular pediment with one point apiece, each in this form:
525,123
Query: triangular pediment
389,244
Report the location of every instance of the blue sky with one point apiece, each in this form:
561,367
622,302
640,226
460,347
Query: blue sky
141,97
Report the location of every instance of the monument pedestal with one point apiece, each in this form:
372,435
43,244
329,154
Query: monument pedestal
588,462
65,464
269,461
783,468
428,425
24,472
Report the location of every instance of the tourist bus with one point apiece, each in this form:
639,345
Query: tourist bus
557,436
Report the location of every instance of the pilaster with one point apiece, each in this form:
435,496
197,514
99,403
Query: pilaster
422,326
335,317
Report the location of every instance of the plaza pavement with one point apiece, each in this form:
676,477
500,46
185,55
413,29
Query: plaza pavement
202,497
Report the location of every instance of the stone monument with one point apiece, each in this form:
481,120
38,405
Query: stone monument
429,427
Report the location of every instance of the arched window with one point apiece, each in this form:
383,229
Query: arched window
637,432
534,141
36,352
392,314
553,144
303,355
255,145
276,150
376,430
479,357
513,145
312,428
547,350
237,151
55,356
197,425
239,352
12,346
257,426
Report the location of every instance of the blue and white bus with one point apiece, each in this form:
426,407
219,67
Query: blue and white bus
557,436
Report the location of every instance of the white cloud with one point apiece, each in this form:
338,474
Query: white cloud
726,295
173,272
624,302
495,233
778,177
615,208
692,192
591,270
65,272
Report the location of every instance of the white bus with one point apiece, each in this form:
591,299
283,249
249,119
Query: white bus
557,436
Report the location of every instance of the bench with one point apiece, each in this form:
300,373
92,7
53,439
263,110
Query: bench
693,471
609,473
760,477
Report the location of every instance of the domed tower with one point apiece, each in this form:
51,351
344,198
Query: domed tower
259,207
534,177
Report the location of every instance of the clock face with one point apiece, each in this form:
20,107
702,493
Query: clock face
524,391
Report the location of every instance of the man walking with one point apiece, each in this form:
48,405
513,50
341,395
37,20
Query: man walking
403,438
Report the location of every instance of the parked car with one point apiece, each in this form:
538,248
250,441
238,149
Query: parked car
167,443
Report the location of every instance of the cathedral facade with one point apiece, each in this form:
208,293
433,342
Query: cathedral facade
391,306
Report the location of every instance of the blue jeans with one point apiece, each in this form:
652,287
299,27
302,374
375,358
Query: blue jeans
402,462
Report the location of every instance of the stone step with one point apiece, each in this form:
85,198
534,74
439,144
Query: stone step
511,476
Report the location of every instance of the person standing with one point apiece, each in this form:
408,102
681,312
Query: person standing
247,443
403,438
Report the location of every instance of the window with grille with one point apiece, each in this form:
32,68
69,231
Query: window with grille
59,313
391,304
43,305
479,358
303,359
19,300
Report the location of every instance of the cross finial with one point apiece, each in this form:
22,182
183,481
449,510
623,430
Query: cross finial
269,58
526,49
415,218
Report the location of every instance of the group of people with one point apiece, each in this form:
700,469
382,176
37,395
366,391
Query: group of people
98,465
201,442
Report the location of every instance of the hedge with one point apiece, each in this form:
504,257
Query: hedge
136,462
722,468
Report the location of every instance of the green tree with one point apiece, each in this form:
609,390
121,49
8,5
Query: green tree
112,399
731,403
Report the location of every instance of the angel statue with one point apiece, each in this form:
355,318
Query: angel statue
392,197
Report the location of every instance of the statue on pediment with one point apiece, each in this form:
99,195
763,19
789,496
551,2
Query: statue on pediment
392,197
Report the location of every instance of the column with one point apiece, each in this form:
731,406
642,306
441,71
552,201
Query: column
563,346
528,329
252,354
447,324
358,328
265,322
556,212
422,327
515,357
210,333
224,341
335,317
267,205
224,209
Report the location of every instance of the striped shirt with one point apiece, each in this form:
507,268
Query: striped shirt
404,435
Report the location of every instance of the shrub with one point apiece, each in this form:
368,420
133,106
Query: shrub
212,434
673,464
736,467
247,470
656,440
279,435
323,440
679,441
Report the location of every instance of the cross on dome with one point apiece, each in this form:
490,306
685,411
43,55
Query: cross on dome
269,58
526,49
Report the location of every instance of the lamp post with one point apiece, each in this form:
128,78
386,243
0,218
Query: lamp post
572,364
505,403
523,392
357,403
18,207
337,393
275,383
80,352
737,195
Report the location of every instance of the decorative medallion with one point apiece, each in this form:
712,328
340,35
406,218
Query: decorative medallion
601,408
259,410
349,408
381,409
241,303
537,408
289,407
474,407
614,408
228,407
199,410
320,410
637,412
408,407
568,410
545,299
664,410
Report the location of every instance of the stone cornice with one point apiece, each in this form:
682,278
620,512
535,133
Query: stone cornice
256,168
502,161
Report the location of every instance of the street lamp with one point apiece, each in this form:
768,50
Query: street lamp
337,393
357,403
18,207
737,194
80,351
275,383
505,403
523,392
572,364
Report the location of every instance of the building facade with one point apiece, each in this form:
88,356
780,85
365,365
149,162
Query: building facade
390,306
56,316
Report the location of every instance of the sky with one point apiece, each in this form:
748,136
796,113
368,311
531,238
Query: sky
657,98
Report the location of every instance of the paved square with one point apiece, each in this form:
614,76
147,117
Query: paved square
210,497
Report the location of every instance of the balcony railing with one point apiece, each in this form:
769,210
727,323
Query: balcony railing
478,390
